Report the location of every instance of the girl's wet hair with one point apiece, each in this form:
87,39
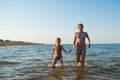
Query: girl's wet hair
80,25
58,38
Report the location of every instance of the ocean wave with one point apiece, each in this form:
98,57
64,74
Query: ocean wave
8,63
34,59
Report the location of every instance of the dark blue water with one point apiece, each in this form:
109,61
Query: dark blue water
31,63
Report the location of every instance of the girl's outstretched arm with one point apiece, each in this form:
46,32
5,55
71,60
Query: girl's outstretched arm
66,50
88,40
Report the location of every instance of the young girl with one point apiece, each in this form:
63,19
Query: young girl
58,51
80,44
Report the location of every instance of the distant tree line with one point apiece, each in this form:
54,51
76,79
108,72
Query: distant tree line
1,40
12,43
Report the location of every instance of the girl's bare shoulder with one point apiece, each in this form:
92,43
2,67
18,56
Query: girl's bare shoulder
76,32
85,32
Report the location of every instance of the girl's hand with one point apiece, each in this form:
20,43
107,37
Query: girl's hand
74,46
69,51
89,45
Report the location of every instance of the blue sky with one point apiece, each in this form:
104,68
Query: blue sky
44,20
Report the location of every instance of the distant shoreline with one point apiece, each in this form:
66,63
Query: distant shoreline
17,43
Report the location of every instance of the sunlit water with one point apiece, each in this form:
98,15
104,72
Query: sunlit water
31,63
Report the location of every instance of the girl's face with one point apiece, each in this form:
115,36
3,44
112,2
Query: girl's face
58,40
80,28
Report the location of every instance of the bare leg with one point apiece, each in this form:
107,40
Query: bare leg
61,61
78,54
83,57
54,62
80,57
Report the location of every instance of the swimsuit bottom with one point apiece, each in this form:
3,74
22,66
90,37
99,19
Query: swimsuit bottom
58,57
81,47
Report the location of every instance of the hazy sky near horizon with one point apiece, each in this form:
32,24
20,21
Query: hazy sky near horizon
44,20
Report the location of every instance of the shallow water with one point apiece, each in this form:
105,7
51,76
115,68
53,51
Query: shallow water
30,63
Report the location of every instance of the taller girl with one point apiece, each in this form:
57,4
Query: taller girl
80,44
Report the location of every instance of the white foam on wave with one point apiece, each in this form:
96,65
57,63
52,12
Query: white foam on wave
66,64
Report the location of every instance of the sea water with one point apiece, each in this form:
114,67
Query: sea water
102,62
